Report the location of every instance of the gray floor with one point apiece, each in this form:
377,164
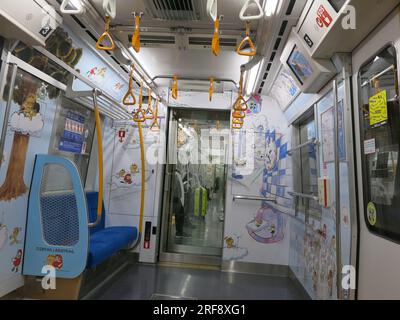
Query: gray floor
146,282
206,234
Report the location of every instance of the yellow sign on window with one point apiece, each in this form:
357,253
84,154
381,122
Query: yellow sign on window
378,112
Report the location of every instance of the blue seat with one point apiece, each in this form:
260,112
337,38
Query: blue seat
104,242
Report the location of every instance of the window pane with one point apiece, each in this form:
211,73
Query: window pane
381,135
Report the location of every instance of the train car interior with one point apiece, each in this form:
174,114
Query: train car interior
199,150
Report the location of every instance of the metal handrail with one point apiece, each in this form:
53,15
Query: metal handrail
254,198
194,79
367,82
313,141
303,195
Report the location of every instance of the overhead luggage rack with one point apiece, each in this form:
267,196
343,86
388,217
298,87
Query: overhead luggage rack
108,106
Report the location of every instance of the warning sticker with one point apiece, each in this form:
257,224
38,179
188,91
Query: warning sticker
378,110
371,214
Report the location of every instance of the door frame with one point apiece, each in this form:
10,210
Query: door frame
380,38
178,258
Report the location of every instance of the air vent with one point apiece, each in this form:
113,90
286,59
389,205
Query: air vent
186,10
283,28
290,7
148,40
206,41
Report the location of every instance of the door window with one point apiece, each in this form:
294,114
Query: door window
380,134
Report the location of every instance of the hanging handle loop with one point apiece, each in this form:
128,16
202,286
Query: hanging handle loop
215,47
240,107
129,98
212,9
149,113
106,35
247,42
139,116
155,125
110,8
174,91
78,5
246,6
136,34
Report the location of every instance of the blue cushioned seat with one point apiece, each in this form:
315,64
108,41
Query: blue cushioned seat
104,242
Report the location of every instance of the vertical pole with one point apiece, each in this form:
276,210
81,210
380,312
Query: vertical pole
337,192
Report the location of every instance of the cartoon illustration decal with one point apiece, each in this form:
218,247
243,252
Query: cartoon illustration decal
55,260
320,260
16,261
254,104
3,232
122,135
97,74
118,86
268,226
28,120
234,252
14,236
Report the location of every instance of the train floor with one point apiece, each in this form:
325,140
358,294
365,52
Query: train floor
148,282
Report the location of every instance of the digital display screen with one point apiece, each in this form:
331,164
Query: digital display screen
300,65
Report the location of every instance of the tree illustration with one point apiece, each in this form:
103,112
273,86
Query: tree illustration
27,89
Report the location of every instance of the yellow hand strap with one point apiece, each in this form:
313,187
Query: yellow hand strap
106,35
129,98
247,41
216,49
136,35
155,125
211,90
240,104
139,115
237,123
175,87
236,114
149,114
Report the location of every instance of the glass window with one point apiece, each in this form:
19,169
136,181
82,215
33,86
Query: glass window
308,173
73,134
380,133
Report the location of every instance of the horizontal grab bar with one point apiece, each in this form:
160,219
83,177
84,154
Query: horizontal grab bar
254,198
303,195
310,142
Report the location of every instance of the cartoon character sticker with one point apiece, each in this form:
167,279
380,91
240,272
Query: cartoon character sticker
56,261
14,236
234,251
16,261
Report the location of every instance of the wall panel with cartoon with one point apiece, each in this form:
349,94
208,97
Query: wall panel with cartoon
257,231
313,246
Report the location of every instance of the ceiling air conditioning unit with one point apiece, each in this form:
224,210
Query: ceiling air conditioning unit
31,21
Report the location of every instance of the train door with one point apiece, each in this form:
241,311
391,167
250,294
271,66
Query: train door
378,135
194,200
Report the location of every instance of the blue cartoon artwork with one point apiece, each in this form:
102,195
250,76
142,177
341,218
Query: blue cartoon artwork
254,104
267,226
